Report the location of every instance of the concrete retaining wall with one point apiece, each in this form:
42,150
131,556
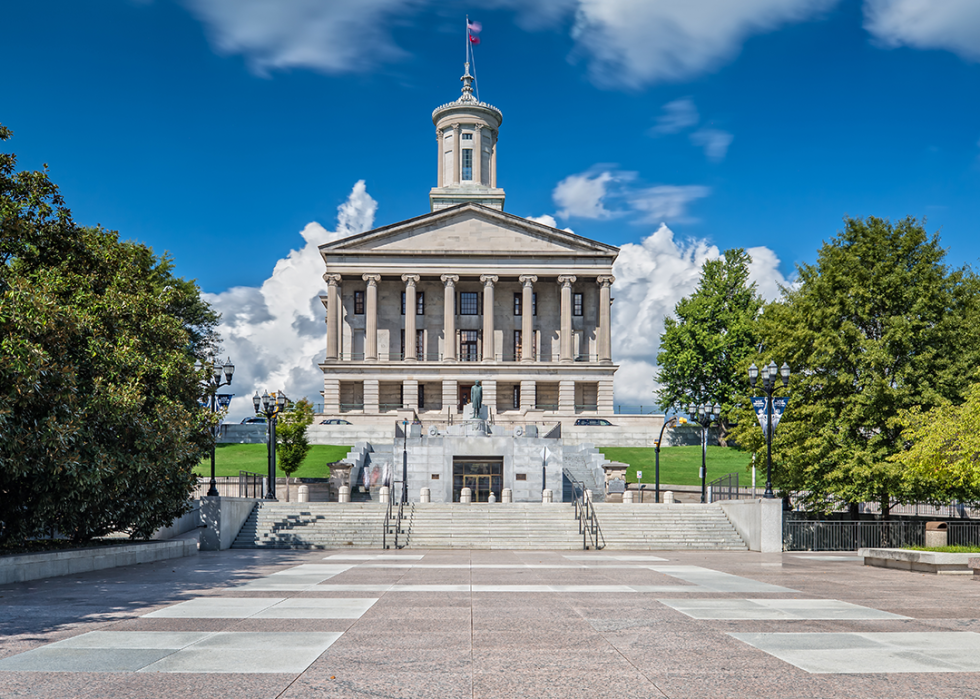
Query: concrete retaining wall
759,522
222,519
921,561
188,521
34,566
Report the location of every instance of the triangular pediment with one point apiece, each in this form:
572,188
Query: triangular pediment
472,229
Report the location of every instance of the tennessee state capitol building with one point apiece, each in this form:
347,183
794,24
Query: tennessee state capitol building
419,310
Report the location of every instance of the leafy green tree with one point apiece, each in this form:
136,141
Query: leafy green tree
99,412
942,463
878,326
292,445
701,350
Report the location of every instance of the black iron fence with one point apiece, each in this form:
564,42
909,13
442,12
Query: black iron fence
727,488
808,535
250,484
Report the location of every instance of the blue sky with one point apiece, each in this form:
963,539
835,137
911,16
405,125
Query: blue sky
219,129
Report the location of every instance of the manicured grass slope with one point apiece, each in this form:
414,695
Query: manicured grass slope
680,465
229,459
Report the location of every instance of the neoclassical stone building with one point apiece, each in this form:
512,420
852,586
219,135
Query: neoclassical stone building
419,310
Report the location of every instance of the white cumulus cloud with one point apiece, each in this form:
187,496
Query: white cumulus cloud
330,36
631,43
275,333
666,202
676,116
582,195
951,25
715,142
651,277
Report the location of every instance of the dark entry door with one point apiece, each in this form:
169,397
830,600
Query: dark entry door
483,476
464,396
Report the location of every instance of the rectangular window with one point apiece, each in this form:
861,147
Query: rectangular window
576,304
420,303
468,345
358,303
421,396
517,397
435,476
517,345
467,169
467,137
534,303
469,303
420,345
403,303
517,303
520,476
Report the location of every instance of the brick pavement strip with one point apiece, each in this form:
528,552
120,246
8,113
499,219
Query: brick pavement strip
492,624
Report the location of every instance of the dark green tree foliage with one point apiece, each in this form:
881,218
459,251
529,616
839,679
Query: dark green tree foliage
701,350
292,446
879,325
100,424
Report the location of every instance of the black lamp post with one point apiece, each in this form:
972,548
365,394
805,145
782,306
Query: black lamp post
672,422
270,407
704,415
405,462
769,373
211,385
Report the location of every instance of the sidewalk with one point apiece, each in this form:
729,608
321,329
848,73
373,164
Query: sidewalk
487,624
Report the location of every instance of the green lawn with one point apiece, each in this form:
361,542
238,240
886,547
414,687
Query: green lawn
680,465
946,549
229,459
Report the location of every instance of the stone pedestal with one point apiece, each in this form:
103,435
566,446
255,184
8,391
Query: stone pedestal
385,494
465,496
547,496
507,495
343,493
303,493
492,498
424,495
628,497
669,497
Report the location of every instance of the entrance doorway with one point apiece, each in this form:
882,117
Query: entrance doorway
481,475
464,396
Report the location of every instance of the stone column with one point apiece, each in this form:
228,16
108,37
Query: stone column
527,317
566,397
333,315
410,394
478,154
442,158
457,154
605,321
528,394
372,397
565,346
371,332
493,159
410,350
449,315
489,355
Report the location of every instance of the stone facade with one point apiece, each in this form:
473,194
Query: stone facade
417,311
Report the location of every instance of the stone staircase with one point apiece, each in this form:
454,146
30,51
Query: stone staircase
581,462
485,526
667,527
312,525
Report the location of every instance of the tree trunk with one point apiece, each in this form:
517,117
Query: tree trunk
723,433
853,511
885,507
287,487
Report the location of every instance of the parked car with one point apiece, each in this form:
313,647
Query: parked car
256,420
593,422
334,421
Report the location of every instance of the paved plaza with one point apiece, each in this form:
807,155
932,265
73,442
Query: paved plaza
485,624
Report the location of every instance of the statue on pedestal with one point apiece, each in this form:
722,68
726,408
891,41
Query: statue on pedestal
476,398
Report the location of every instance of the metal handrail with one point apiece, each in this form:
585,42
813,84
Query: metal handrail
588,523
384,533
247,481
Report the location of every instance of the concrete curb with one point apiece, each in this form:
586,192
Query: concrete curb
921,561
34,566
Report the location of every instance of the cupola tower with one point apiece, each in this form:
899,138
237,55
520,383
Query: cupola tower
466,133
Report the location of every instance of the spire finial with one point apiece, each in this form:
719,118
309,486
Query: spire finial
467,85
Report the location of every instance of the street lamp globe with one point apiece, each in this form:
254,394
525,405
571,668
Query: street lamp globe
753,374
229,369
257,401
784,372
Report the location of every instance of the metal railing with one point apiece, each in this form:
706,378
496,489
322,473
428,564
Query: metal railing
727,488
588,523
963,534
250,484
803,535
637,410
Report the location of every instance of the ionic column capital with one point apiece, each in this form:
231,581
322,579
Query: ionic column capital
371,279
449,280
528,279
410,279
566,281
455,126
332,279
605,280
478,128
489,279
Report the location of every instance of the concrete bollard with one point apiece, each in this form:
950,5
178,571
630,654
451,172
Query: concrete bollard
492,498
385,493
507,495
669,497
936,533
465,496
424,495
547,496
343,493
627,497
303,493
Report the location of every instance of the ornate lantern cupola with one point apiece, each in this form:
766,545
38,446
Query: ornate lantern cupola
466,131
